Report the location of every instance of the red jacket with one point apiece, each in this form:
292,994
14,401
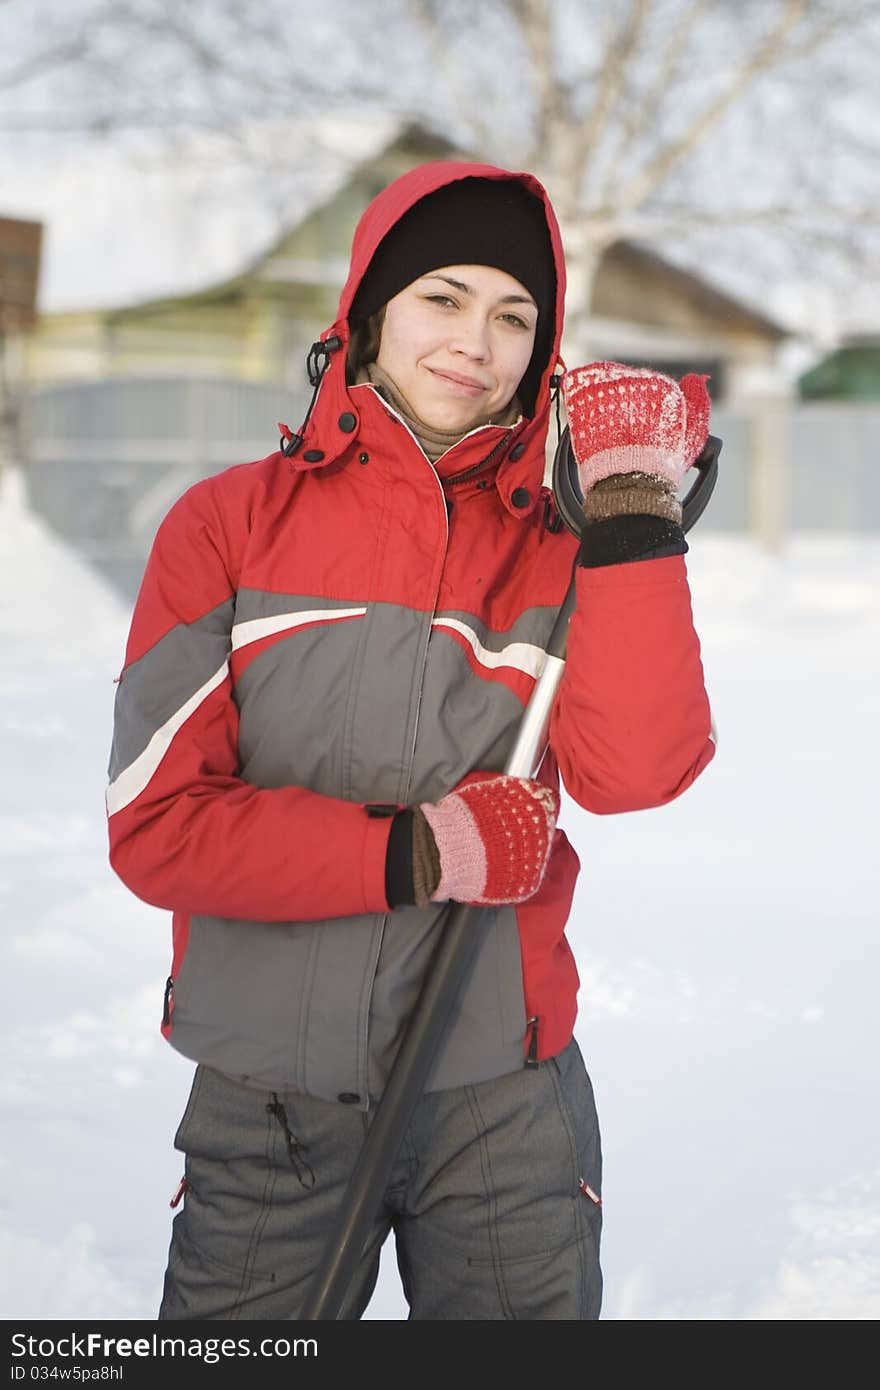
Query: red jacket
353,626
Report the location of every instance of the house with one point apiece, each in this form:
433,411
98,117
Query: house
645,309
256,324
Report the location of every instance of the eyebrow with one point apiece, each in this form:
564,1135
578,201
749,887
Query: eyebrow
467,289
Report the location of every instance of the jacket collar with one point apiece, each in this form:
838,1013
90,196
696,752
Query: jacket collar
347,421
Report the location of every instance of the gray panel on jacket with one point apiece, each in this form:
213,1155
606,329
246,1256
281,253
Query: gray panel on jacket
251,980
387,674
292,700
488,1027
314,713
466,721
160,682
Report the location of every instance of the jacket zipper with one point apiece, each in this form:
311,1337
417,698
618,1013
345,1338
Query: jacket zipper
423,663
424,654
459,477
478,467
447,508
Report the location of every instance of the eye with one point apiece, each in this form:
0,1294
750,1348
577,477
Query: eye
516,320
441,299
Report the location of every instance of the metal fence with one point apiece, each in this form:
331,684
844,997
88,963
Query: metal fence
108,458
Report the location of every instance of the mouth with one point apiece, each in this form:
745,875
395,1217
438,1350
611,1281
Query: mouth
459,384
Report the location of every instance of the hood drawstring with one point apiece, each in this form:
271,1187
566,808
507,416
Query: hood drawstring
317,363
551,520
555,383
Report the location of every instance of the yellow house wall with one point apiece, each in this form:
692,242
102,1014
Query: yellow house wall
259,337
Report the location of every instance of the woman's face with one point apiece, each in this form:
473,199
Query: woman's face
456,343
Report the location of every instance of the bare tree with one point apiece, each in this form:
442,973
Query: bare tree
107,66
657,119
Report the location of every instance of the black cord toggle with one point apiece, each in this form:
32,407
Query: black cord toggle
555,383
318,359
317,363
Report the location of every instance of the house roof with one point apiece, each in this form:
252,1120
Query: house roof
127,221
710,301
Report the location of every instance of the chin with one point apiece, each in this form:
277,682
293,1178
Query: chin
450,415
449,423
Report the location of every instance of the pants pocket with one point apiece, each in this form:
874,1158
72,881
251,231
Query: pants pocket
537,1133
577,1108
183,1129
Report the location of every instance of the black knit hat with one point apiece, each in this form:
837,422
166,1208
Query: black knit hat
473,221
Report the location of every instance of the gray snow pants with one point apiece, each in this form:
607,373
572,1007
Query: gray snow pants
488,1200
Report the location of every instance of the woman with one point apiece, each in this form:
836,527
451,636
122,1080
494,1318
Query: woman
328,661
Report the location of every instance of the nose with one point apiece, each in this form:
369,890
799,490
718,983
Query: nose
471,337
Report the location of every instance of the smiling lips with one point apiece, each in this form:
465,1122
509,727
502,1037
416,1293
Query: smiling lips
461,385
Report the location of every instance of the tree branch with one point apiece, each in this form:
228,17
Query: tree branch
762,58
613,76
439,50
534,20
644,116
38,64
659,223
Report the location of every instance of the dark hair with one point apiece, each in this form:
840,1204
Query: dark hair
363,347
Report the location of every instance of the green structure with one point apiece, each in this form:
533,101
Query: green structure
852,373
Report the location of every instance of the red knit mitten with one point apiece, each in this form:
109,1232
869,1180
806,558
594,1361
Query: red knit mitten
494,834
634,420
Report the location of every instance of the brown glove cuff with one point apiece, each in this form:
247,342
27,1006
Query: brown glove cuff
426,859
632,494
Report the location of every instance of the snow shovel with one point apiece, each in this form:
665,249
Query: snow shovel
463,930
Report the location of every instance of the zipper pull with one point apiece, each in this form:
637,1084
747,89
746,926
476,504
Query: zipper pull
552,521
588,1192
178,1193
166,1002
532,1054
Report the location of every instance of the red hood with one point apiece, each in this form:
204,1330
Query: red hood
521,469
390,205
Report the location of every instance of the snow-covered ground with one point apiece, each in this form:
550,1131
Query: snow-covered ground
727,944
